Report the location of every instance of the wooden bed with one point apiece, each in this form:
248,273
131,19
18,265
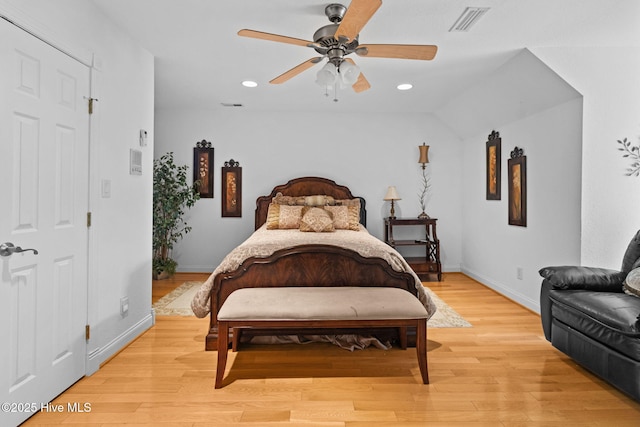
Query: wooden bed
307,265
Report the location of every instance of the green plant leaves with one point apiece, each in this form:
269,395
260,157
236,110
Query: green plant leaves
172,196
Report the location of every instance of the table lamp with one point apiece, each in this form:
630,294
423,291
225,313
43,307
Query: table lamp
392,195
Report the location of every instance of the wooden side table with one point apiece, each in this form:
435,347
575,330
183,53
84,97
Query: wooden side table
422,265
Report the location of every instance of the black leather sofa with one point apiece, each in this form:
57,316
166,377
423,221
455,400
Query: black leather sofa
586,315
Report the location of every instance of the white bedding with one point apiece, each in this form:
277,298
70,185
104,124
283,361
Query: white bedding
262,243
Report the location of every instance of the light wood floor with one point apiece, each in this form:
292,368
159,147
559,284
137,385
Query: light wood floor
500,372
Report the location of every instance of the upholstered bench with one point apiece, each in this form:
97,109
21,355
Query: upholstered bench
321,307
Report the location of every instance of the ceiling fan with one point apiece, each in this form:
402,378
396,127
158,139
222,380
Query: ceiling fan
338,40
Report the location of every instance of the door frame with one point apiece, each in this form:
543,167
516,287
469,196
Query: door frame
23,21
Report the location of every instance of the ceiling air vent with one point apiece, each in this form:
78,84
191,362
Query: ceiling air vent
470,16
230,104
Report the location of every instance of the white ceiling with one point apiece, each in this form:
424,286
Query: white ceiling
200,61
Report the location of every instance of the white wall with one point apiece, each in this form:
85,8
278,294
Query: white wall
608,79
493,250
120,237
532,108
366,152
582,208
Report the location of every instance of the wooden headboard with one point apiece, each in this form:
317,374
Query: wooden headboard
307,186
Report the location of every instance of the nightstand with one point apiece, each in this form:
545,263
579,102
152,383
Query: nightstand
422,265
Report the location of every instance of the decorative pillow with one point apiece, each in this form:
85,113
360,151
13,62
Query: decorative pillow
280,199
316,219
319,200
283,216
345,217
348,202
632,254
631,284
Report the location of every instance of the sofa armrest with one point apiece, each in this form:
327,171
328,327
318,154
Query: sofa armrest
545,308
588,278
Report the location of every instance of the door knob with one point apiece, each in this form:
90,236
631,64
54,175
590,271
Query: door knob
8,249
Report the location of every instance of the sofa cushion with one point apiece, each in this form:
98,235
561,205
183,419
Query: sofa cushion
632,254
610,318
321,303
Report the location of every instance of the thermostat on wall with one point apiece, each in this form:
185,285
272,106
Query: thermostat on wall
143,138
135,162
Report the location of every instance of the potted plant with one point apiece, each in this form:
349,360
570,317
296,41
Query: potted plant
172,195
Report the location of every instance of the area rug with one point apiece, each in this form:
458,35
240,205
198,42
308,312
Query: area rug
178,303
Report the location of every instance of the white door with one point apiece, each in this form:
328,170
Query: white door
44,144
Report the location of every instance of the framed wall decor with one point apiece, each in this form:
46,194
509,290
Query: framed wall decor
494,159
203,168
517,165
231,189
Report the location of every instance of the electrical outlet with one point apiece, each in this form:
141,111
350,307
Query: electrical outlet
124,306
519,273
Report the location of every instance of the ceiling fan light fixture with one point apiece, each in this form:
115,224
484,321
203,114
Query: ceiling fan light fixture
249,83
404,86
327,75
338,40
349,73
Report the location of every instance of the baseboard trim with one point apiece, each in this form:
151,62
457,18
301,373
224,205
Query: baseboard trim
96,358
523,300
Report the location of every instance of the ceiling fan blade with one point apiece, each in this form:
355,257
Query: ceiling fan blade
272,37
296,70
362,83
356,17
400,51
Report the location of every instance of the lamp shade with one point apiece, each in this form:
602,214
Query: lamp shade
424,153
392,194
349,73
327,75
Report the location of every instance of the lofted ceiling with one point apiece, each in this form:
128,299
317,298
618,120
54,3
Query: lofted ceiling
200,61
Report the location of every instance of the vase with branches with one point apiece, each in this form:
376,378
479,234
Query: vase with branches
422,197
172,195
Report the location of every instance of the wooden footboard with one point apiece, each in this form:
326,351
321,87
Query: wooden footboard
307,265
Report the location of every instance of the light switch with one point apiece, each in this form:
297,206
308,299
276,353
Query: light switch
106,188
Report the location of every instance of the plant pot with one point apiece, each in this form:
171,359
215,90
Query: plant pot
161,275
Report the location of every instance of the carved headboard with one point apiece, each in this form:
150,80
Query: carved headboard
307,186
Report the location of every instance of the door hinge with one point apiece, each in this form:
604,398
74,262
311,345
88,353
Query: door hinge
87,332
91,104
88,219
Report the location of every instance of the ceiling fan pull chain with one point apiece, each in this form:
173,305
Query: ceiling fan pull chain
335,92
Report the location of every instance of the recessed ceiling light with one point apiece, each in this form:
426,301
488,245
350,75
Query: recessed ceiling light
249,83
405,86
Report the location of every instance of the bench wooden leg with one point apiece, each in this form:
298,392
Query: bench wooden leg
421,349
223,346
402,331
235,342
